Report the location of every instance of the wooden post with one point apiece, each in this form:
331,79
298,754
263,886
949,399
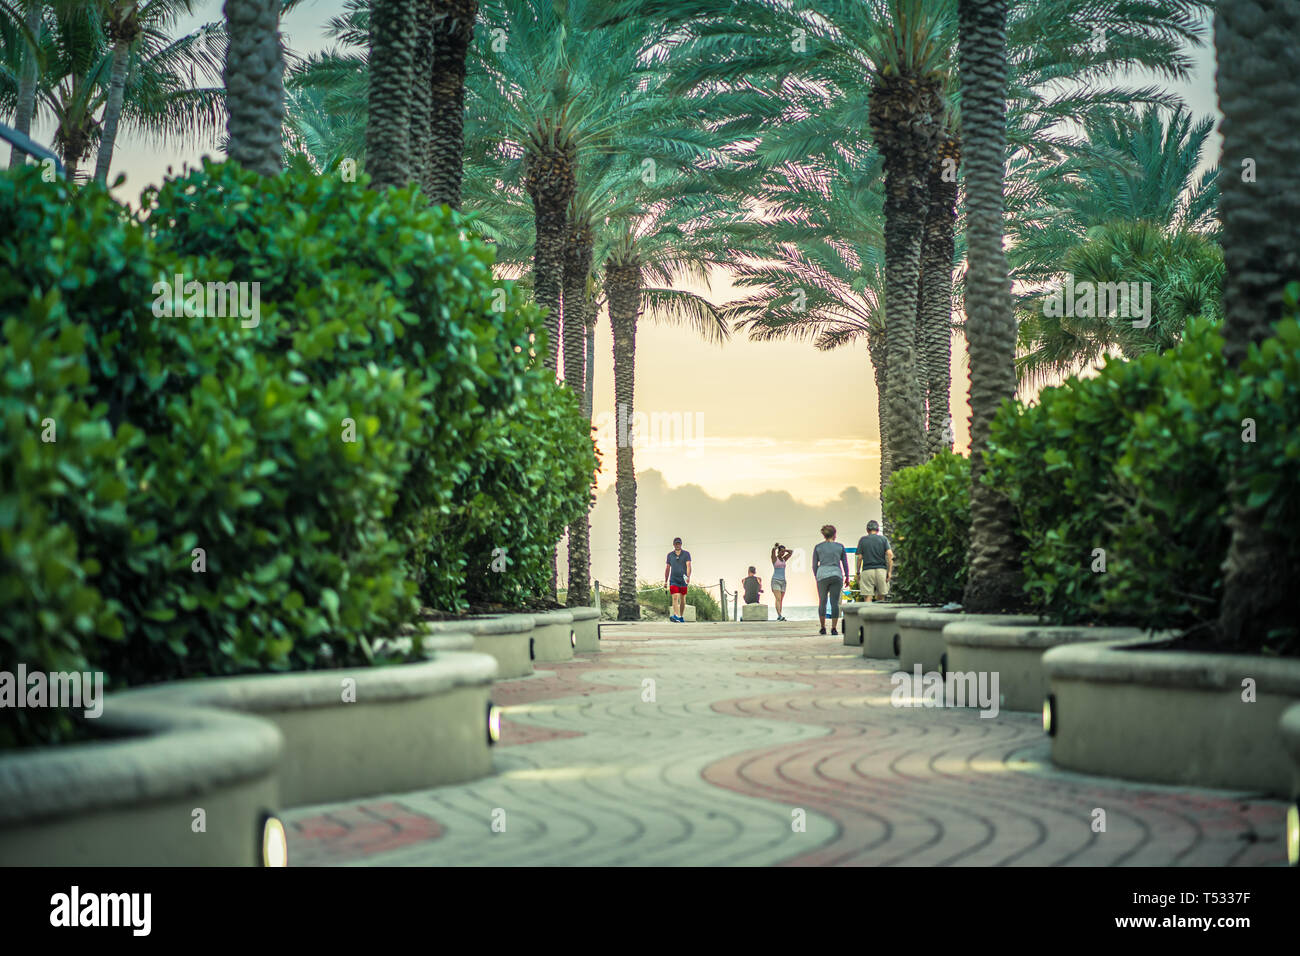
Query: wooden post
597,598
722,598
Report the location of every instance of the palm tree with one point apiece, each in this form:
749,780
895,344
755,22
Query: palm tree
141,28
994,578
452,30
158,95
392,72
1183,269
1258,48
31,21
254,80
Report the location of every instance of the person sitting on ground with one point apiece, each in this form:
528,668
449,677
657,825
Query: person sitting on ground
753,586
780,555
831,568
876,558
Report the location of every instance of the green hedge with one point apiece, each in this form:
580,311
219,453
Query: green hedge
929,508
1131,467
656,596
385,410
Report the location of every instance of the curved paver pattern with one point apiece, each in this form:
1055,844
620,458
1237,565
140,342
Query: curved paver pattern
757,721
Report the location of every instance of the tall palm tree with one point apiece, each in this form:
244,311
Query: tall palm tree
142,29
254,80
392,72
1258,47
159,97
26,109
994,580
578,307
453,29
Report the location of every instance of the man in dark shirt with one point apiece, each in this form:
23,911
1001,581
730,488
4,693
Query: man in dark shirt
677,578
753,586
876,559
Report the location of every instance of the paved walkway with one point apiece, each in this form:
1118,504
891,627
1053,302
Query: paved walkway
766,744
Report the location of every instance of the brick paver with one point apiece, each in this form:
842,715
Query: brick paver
751,728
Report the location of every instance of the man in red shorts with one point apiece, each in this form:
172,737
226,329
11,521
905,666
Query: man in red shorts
677,576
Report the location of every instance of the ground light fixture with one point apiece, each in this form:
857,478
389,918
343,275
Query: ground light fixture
1049,715
573,637
493,723
1293,834
275,844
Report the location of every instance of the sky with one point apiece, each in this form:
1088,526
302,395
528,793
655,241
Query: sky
782,438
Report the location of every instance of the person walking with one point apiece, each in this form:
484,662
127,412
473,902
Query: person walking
831,568
780,555
876,558
753,586
677,578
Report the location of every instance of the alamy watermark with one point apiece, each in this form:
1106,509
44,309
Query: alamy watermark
1127,300
953,689
218,300
68,689
649,430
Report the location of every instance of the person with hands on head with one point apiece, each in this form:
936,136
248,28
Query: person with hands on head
780,555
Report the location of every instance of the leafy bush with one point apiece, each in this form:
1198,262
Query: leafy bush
929,508
60,461
656,597
1121,471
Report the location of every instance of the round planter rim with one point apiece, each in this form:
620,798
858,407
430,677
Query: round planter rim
988,634
930,619
157,752
1145,662
302,690
507,624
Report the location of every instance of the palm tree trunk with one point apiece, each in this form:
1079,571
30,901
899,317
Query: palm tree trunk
452,32
27,85
392,65
994,581
113,108
577,270
254,78
623,282
934,328
1258,53
421,95
902,111
591,362
880,366
550,184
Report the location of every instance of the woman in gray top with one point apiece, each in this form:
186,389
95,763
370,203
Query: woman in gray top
831,566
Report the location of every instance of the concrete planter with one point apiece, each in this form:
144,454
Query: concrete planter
920,635
1135,711
1015,654
875,628
586,629
508,638
553,636
1289,726
130,800
359,732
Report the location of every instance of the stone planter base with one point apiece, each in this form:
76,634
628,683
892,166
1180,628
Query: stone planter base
1015,654
1163,716
875,628
130,800
920,635
1289,726
507,638
359,732
586,629
753,612
553,636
